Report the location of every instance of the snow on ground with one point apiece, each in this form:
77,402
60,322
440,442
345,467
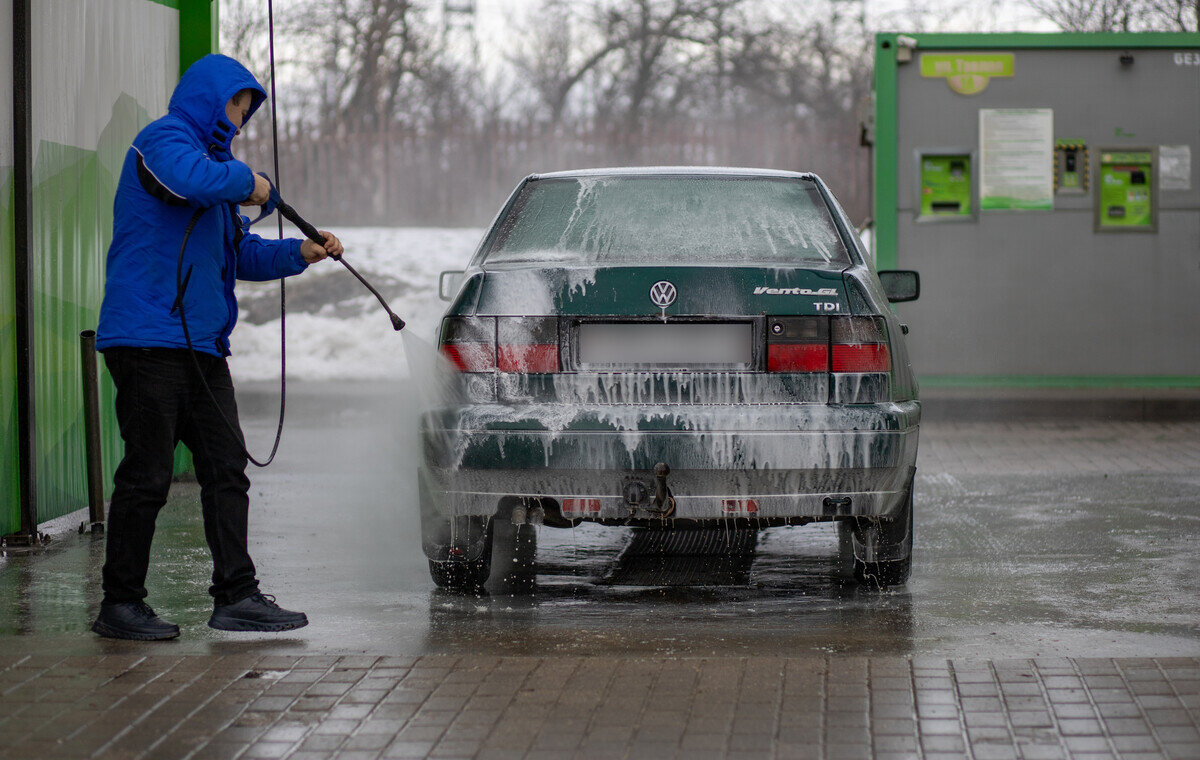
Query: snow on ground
336,330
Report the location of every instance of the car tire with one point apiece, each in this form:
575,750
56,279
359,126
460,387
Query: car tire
514,546
882,574
467,573
464,576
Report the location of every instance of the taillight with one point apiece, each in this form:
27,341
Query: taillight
507,344
469,343
798,344
859,344
527,344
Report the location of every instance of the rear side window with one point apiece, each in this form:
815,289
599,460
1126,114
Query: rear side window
648,220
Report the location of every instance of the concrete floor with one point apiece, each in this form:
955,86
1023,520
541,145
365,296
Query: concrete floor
1044,550
1032,539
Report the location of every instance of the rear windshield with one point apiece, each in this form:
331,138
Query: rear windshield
647,220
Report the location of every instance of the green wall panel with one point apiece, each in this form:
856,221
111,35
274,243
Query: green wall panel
72,222
102,70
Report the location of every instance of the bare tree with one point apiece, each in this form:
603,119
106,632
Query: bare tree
367,58
383,124
1120,15
1175,15
638,55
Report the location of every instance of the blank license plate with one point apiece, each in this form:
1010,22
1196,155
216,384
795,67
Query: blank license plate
646,344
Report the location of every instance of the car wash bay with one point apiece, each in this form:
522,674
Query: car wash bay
1051,611
1052,607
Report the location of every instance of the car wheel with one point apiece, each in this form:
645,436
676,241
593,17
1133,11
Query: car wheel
891,538
466,576
464,573
473,538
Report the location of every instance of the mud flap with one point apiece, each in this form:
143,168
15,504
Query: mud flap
863,543
466,538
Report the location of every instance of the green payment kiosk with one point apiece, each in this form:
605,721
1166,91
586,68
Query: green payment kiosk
1126,199
945,190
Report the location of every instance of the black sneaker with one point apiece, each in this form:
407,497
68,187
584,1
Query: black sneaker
255,613
132,620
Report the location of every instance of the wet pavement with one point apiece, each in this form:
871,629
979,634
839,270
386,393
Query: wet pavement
1056,569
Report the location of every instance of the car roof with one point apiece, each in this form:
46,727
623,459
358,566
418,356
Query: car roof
686,171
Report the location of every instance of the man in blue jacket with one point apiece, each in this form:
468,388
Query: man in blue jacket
180,174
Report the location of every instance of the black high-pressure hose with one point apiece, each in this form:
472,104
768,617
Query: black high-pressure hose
180,286
180,283
286,212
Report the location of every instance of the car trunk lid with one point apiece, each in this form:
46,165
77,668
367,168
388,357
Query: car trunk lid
689,291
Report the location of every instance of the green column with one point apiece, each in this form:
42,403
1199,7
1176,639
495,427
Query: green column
198,31
199,25
886,147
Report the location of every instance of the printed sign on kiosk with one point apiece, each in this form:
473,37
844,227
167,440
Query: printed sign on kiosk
1126,192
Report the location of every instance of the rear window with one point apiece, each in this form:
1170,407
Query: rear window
648,220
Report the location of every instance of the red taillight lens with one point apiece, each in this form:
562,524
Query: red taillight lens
866,357
536,358
469,343
507,344
470,357
797,357
527,344
859,345
798,344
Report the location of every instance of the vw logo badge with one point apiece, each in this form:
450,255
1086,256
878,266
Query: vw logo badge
662,293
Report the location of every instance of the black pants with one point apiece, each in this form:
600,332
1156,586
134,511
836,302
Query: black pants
161,401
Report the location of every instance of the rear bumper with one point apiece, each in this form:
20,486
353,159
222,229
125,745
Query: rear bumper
790,459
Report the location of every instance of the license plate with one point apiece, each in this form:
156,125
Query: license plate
695,345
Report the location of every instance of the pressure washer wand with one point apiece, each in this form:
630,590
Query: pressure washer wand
312,234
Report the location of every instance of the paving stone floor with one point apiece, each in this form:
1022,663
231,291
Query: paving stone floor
362,707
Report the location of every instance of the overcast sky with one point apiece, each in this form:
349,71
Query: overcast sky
493,16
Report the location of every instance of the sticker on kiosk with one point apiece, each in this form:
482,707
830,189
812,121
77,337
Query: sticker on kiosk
1126,191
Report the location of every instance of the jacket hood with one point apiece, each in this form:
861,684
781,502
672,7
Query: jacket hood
203,91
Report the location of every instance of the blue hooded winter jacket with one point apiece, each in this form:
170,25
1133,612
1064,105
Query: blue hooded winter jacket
178,164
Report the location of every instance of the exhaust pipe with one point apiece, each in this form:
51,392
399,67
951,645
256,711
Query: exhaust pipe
523,514
663,499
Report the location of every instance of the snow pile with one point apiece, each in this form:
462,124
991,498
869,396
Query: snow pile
336,330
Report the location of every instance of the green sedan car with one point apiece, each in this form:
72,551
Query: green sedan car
672,349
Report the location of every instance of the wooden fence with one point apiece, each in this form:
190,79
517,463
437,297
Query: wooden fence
461,176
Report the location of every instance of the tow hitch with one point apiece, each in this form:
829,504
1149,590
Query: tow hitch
639,499
664,502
